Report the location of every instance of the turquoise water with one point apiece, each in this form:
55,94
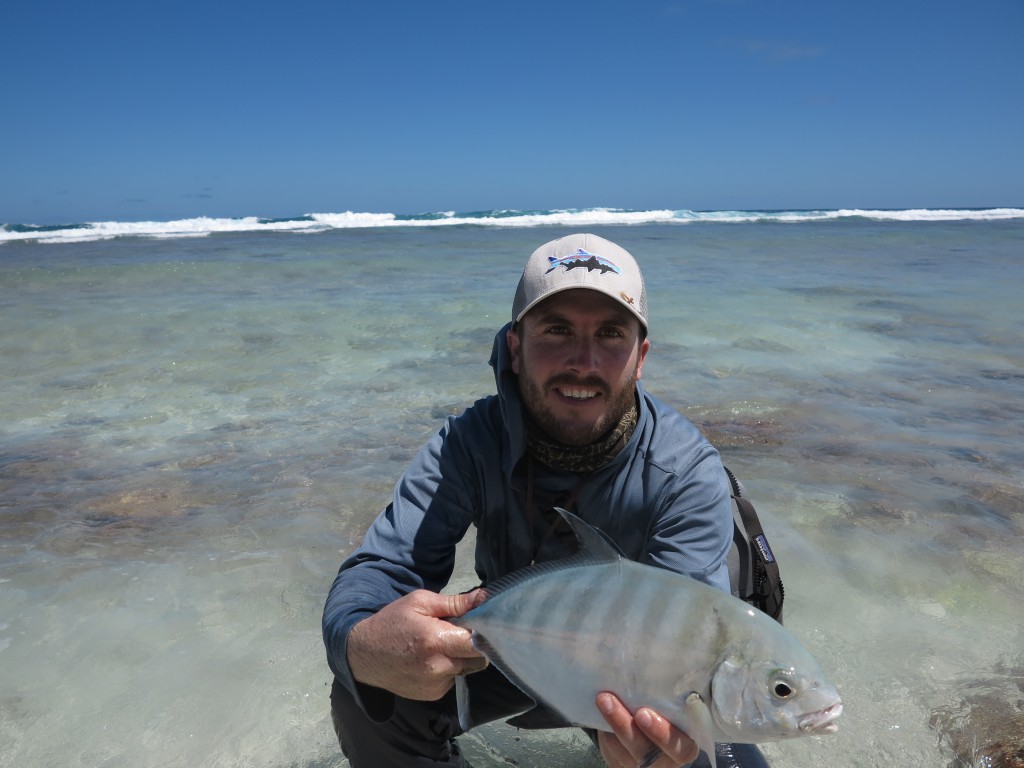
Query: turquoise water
195,431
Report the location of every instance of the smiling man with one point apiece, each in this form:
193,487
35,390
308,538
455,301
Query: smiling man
570,426
578,357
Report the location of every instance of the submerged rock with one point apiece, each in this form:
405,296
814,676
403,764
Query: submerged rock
986,727
741,431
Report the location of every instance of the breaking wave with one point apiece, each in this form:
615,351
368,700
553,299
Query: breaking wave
320,222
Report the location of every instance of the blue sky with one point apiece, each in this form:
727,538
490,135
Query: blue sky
133,111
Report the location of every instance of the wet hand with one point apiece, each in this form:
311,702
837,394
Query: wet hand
409,649
635,738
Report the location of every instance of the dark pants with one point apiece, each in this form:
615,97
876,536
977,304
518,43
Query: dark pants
421,734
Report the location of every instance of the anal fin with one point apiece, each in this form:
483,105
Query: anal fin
462,702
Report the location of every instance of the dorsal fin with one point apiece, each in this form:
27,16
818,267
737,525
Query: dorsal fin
593,543
594,548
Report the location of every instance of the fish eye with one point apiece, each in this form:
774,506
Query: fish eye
781,684
782,689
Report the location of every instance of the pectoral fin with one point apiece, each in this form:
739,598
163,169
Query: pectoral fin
698,725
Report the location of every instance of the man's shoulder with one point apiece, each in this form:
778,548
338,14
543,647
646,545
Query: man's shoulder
487,407
671,440
481,419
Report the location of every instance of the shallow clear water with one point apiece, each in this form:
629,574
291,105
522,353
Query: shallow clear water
194,432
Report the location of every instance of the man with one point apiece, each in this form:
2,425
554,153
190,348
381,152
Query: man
570,426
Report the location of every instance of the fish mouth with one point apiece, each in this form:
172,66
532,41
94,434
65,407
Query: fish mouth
822,721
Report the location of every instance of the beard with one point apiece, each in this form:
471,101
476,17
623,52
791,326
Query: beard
574,432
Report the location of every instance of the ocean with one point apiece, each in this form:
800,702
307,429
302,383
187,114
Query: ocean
198,420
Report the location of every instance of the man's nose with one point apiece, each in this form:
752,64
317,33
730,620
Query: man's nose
584,356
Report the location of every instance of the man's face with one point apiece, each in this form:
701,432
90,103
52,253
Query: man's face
578,356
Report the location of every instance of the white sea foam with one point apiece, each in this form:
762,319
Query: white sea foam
346,220
319,222
506,218
931,214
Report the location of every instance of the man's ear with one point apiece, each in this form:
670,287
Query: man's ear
514,348
645,347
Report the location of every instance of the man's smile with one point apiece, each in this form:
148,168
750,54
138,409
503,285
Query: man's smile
578,390
576,393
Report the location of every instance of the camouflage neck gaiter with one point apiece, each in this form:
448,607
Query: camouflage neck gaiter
583,458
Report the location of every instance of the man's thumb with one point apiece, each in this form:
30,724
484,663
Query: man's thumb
464,602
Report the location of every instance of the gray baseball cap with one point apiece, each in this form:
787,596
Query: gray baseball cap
581,261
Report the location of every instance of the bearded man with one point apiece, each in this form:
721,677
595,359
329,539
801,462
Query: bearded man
570,426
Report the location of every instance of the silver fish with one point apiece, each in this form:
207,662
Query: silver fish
715,667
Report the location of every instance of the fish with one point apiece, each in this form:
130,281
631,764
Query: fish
718,669
583,259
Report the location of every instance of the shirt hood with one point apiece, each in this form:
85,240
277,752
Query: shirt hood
507,383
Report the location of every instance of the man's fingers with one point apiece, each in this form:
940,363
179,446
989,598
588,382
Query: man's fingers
614,751
615,712
677,747
627,744
411,649
656,727
455,642
448,606
643,736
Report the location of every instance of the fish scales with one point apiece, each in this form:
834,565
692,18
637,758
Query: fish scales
560,642
626,607
712,665
598,605
563,614
547,602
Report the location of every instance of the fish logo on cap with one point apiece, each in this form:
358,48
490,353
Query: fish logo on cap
583,259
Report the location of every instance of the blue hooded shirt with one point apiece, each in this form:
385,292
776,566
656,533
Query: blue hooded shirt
663,499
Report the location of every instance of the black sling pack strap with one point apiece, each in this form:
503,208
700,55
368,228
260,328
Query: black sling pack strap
753,570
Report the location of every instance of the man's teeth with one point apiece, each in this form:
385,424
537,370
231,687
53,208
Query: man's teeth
579,394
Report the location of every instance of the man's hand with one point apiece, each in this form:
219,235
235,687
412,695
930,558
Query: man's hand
409,649
634,737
